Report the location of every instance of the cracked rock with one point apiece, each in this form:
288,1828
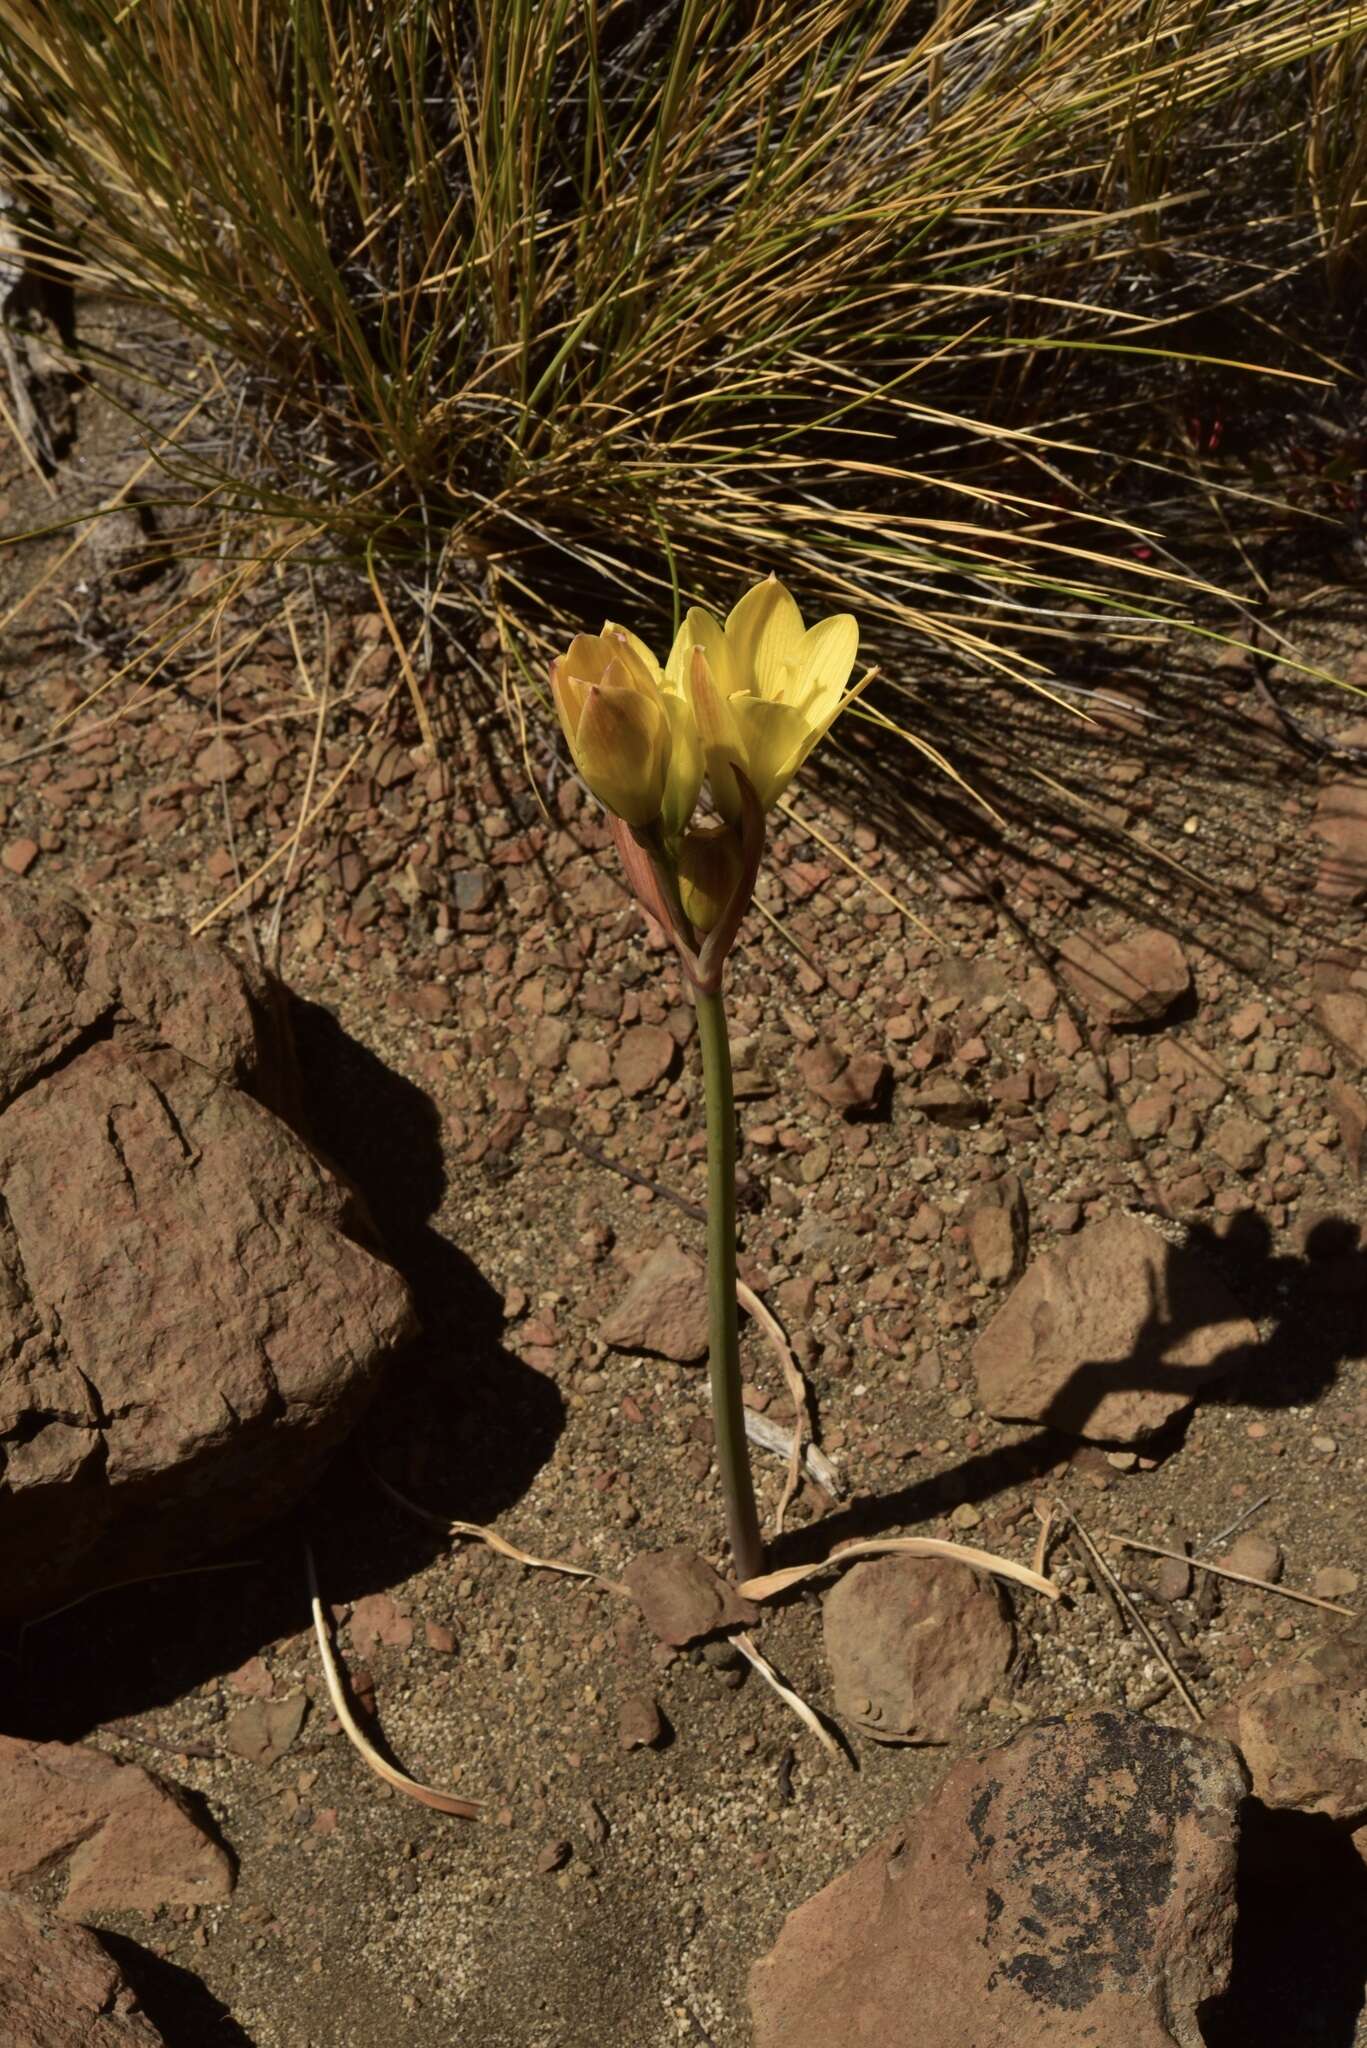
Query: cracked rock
1075,1888
192,1316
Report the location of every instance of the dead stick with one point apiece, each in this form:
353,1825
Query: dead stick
1222,1571
1149,1637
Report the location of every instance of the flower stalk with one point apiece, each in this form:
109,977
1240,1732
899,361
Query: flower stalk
728,1416
737,706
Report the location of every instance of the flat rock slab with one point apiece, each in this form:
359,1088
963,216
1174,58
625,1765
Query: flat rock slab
263,1730
912,1643
664,1308
682,1598
1343,1014
128,1840
1110,1336
1127,981
854,1083
60,1988
192,1311
1301,1728
1074,1889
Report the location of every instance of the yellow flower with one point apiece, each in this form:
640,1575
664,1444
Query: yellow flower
763,688
631,734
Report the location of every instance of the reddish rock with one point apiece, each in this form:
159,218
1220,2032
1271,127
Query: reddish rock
589,1064
664,1309
682,1598
61,1988
1150,1115
1343,1014
1110,1336
191,1316
856,1084
1241,1142
378,1618
647,1053
128,1840
1126,981
998,1225
19,855
639,1725
1074,1889
1302,1728
946,1101
913,1642
262,1731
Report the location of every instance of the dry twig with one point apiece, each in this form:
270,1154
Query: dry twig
1223,1571
1117,1592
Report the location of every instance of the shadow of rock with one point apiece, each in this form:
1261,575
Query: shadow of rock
184,2010
460,1425
1300,1943
1313,1303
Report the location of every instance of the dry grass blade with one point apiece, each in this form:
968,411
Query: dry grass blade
523,304
1046,1525
1222,1571
807,1715
478,1533
770,1583
772,1436
425,1795
797,1391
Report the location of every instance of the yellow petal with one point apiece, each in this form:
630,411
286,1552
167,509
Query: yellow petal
823,667
700,629
774,739
684,780
569,694
587,658
622,752
721,745
644,664
764,635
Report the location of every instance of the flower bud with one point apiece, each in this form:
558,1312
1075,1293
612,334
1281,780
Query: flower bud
615,721
710,868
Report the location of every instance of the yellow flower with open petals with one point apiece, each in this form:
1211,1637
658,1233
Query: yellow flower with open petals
631,734
763,688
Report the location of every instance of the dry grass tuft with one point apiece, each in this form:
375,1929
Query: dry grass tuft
981,321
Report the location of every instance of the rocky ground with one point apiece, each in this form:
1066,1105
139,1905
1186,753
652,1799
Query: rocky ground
1143,999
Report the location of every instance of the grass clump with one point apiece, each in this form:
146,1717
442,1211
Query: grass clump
973,319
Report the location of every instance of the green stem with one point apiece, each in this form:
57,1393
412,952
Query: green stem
728,1414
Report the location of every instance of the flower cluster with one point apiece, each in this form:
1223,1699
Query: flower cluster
738,706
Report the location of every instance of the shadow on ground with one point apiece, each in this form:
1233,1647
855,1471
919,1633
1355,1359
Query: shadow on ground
461,1426
1300,1944
1312,1302
184,2010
